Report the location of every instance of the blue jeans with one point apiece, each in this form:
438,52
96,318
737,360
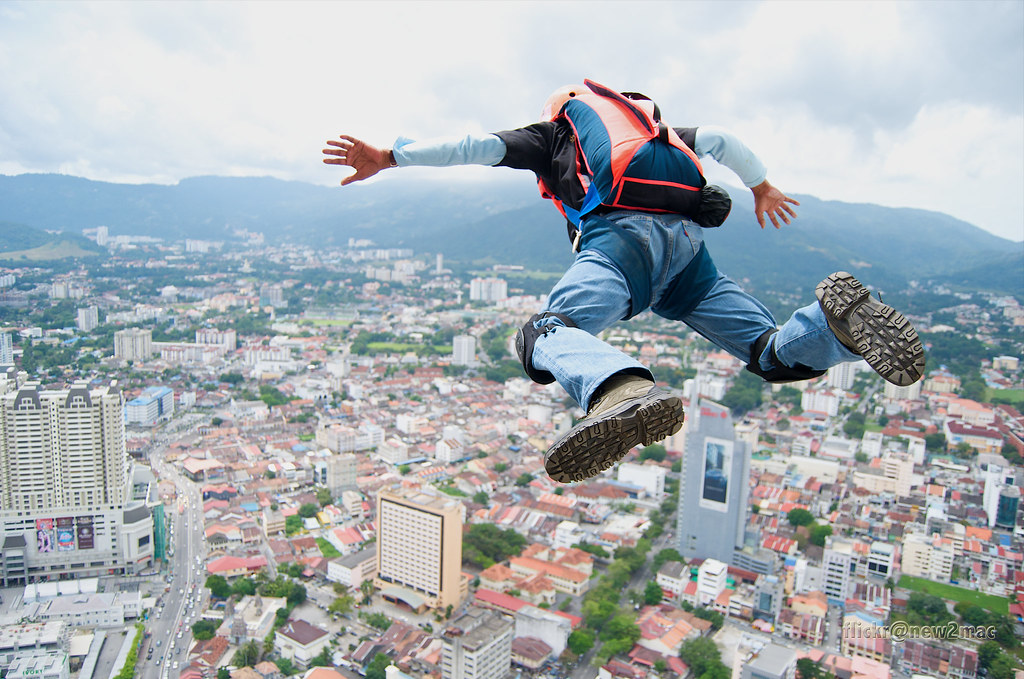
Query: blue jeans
595,293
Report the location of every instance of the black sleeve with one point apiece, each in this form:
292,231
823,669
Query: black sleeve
529,148
688,135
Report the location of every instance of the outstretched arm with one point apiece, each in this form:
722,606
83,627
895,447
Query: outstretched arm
769,200
366,159
728,150
473,149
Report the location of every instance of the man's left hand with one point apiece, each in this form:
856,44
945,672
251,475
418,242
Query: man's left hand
769,200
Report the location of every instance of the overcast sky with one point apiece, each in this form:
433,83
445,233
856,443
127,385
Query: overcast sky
911,104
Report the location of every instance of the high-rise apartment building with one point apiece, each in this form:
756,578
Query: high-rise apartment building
463,350
478,645
713,488
336,471
419,549
87,318
68,502
133,344
488,290
226,339
6,349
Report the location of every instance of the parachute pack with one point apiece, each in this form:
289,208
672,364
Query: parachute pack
627,158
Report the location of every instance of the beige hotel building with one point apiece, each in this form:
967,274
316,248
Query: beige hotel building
419,549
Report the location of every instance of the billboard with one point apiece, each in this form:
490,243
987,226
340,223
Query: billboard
714,493
44,535
84,532
65,534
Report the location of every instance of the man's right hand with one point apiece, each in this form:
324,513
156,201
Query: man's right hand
367,160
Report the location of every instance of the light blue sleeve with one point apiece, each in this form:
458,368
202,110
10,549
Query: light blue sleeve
473,149
729,151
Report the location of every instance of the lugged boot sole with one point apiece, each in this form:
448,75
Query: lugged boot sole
595,444
882,335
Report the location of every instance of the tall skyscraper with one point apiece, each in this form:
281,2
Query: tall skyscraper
713,486
419,549
67,497
478,645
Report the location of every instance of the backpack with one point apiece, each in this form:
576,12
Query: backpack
628,159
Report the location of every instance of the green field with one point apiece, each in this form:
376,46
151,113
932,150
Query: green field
1014,397
996,604
48,252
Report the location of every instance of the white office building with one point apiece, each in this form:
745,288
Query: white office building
478,645
837,565
711,580
648,476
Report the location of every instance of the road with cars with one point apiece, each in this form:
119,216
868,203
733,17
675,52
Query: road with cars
182,603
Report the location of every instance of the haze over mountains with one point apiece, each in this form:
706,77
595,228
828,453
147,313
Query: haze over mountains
506,222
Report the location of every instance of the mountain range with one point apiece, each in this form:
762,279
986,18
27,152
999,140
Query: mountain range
503,221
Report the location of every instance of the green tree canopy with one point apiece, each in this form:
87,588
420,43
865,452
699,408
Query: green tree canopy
218,586
581,641
800,517
485,544
203,630
819,533
652,593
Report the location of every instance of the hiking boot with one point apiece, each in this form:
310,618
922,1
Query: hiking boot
876,331
626,411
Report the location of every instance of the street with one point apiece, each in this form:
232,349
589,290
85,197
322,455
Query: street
166,648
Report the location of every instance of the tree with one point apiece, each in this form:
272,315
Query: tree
987,653
581,641
744,394
243,587
800,517
652,593
286,666
323,496
481,497
524,479
297,595
223,673
855,424
308,510
342,604
819,533
292,524
203,630
247,655
702,655
935,443
323,659
218,586
654,452
807,668
377,669
663,557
